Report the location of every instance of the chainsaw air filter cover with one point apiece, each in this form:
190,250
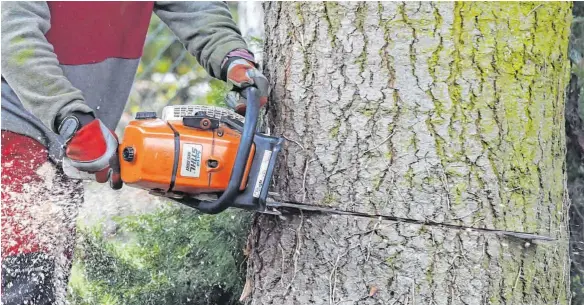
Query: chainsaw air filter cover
190,150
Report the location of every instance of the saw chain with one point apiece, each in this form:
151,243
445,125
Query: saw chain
282,208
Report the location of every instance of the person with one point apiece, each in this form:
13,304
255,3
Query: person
67,71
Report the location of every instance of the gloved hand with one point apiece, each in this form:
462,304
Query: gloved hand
239,69
91,147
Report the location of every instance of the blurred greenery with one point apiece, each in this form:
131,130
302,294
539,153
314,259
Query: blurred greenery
173,256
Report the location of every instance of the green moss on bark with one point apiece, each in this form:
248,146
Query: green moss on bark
508,47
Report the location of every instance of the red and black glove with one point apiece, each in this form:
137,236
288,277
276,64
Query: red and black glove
91,147
239,69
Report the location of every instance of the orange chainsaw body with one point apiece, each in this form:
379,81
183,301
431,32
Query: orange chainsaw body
168,156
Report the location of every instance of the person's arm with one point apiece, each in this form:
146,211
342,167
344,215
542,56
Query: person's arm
209,33
205,28
30,66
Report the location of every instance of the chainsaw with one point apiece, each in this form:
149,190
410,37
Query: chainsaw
211,159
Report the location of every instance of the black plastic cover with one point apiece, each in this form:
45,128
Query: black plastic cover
144,115
201,122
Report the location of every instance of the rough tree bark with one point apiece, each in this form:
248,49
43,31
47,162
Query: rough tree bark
451,112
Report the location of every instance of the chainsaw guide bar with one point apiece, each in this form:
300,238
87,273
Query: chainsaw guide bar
281,208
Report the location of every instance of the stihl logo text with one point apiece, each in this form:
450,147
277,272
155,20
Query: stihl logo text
191,160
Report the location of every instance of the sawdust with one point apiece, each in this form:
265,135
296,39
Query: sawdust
50,208
46,210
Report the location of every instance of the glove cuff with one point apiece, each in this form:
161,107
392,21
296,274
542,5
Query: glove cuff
235,55
73,123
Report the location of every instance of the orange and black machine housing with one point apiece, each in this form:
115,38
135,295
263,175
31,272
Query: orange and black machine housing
199,154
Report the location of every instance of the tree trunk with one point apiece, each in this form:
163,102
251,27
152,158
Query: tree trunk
450,112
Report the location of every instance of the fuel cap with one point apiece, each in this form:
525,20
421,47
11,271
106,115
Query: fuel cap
128,154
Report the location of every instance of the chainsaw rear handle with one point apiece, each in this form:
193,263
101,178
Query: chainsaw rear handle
226,199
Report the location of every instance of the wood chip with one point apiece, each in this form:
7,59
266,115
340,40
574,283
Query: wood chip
373,291
246,290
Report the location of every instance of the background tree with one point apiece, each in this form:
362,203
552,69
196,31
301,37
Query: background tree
451,112
575,152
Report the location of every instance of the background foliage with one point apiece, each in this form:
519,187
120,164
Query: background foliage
172,256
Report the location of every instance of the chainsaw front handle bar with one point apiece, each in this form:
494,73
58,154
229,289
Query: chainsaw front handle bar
247,136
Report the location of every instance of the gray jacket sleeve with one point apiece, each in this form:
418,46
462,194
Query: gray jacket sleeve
30,66
205,28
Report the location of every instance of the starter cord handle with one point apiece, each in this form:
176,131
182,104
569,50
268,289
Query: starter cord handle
226,199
